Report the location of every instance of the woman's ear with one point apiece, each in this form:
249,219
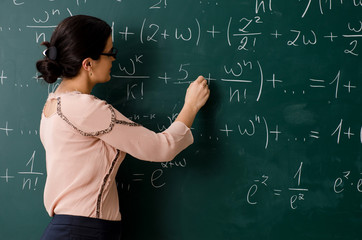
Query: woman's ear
87,64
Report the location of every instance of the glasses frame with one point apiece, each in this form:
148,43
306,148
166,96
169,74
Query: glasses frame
112,53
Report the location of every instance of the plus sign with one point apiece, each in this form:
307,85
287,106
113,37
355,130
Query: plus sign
36,77
274,80
349,133
164,78
213,31
164,34
276,34
126,33
276,132
6,176
226,130
209,79
2,77
6,129
331,36
349,86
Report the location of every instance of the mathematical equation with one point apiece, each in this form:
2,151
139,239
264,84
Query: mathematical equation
29,175
245,38
344,182
298,193
157,179
238,85
240,79
341,132
252,127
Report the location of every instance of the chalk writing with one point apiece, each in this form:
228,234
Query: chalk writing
157,179
7,176
245,38
282,125
175,163
31,177
16,3
249,129
159,4
297,193
346,131
6,129
2,77
345,181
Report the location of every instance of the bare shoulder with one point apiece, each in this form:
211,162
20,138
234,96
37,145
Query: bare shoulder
50,108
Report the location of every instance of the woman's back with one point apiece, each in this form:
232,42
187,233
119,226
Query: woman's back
80,168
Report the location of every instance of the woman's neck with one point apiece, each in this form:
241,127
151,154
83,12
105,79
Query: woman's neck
75,84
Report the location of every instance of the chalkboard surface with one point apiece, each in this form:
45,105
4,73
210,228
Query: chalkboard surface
277,152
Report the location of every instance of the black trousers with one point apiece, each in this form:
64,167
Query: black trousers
66,227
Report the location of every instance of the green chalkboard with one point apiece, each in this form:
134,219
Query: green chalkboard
277,152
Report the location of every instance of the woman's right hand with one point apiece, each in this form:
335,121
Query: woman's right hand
196,96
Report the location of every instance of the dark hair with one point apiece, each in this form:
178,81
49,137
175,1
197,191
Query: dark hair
75,38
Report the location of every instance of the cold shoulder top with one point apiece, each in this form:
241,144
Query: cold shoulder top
85,141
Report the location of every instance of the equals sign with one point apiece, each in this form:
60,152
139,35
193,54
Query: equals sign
314,134
316,83
277,192
137,177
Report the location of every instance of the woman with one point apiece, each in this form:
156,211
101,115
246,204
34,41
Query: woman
86,139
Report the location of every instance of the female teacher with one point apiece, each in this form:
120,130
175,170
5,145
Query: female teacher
86,139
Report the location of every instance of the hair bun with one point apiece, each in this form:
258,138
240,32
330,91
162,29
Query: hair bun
49,69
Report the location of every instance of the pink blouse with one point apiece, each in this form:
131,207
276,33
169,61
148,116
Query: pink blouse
85,141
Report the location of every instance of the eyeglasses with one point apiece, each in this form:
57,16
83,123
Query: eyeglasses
112,53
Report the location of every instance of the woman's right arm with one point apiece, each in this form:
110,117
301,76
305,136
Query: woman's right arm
94,117
147,145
